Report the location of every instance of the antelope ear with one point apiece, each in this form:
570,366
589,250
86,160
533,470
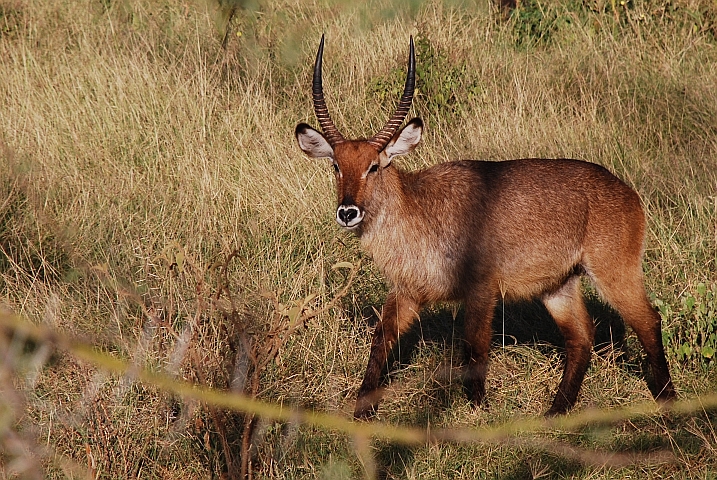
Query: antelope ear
312,142
402,143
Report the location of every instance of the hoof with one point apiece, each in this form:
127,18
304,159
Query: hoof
365,410
667,395
367,405
558,408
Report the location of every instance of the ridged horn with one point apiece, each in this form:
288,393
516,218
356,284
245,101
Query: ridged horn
381,139
332,134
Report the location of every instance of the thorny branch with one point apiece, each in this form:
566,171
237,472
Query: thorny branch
261,352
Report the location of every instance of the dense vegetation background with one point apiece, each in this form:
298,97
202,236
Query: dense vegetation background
154,204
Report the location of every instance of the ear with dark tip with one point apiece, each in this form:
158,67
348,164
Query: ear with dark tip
313,142
402,143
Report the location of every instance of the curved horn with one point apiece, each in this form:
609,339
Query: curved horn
381,139
333,136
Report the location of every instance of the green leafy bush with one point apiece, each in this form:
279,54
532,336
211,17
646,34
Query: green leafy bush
444,86
690,335
537,22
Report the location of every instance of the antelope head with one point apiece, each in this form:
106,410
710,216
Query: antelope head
358,164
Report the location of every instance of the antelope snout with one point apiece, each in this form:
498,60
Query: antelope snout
349,216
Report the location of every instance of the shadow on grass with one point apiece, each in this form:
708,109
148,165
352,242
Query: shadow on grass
530,324
527,323
690,437
524,323
393,459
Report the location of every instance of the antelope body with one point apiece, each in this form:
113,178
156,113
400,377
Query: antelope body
476,232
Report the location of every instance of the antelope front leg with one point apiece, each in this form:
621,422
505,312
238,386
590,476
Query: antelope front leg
398,315
478,318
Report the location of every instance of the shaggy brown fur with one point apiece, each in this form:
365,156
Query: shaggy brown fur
475,231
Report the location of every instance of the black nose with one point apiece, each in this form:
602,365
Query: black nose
346,214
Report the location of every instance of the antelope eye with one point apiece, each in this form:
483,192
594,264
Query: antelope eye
374,168
336,167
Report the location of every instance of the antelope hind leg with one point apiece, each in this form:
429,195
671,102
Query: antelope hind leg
567,308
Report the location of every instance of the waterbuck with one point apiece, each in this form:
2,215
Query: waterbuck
480,231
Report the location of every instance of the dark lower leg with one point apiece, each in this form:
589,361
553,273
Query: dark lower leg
568,310
479,333
650,337
369,394
474,378
627,295
397,316
576,364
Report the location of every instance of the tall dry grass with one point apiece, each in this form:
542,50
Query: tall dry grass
139,155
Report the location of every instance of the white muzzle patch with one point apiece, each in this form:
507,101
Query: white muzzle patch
349,216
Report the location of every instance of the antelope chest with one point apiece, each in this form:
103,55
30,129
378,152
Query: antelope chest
416,265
